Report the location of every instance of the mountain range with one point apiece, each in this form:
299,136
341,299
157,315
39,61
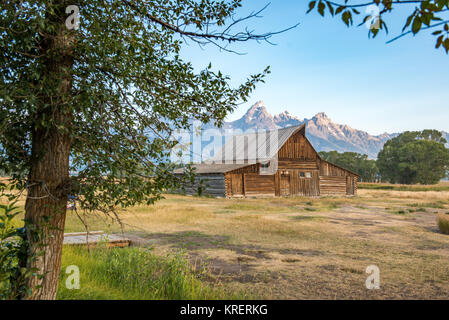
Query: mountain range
323,133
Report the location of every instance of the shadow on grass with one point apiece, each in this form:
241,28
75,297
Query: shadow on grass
236,269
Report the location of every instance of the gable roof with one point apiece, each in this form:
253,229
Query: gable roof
254,147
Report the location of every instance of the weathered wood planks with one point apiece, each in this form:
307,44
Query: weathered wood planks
95,238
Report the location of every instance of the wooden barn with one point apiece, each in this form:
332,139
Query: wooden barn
290,167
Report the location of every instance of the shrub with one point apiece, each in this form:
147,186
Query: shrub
443,222
13,276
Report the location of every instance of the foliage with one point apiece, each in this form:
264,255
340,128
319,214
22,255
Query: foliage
135,273
443,222
423,15
358,163
414,157
13,272
130,90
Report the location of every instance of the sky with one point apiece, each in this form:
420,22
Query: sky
323,66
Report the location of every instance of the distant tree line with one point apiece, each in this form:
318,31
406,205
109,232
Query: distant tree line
356,162
410,158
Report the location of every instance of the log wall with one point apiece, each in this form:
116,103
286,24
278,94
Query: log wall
332,185
303,186
256,184
214,185
288,164
336,180
299,148
328,169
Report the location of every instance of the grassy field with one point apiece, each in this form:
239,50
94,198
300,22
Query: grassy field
275,248
442,186
299,248
136,274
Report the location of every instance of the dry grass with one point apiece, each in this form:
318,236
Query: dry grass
442,186
295,248
302,248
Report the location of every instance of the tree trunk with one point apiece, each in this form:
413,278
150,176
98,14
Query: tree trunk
49,181
46,210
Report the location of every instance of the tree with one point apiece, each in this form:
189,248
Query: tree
101,100
425,15
356,162
414,157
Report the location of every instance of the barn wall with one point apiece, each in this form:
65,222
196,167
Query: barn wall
234,180
328,169
303,186
249,184
297,164
297,147
234,184
256,184
336,180
298,155
214,185
332,185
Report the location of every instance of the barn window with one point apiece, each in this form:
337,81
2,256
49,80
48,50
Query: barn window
265,165
301,174
308,175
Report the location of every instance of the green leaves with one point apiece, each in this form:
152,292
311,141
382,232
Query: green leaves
414,157
346,13
321,8
429,14
408,22
443,38
340,9
416,26
11,250
130,90
347,17
311,6
444,42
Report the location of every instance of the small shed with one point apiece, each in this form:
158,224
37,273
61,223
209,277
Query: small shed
289,165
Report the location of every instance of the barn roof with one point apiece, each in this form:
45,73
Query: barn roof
245,149
254,147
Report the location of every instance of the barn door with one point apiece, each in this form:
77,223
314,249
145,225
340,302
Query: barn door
285,185
349,185
237,184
